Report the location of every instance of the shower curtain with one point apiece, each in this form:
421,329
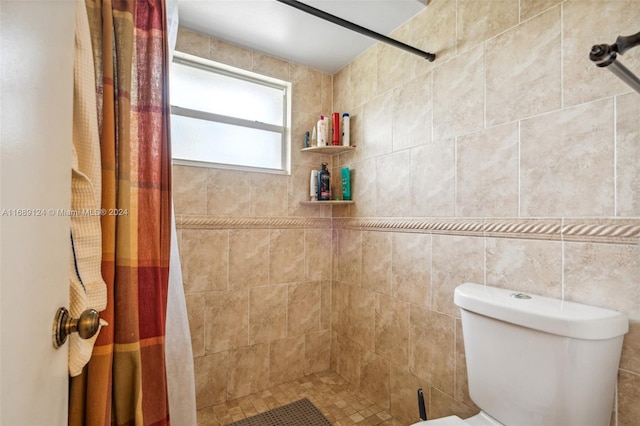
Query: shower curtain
125,381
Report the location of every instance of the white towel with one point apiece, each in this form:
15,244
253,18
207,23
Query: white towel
87,288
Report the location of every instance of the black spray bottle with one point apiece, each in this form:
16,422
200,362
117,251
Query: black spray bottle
324,193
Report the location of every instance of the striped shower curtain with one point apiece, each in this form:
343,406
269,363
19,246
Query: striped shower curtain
125,381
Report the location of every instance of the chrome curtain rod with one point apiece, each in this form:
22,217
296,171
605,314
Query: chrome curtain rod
357,28
604,55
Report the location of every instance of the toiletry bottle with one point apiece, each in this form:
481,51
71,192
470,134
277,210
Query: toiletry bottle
335,133
324,188
346,184
322,132
345,129
327,135
306,139
314,137
313,185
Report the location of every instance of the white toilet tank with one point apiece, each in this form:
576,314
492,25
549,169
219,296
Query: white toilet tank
538,361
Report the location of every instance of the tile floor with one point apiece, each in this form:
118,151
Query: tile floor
328,391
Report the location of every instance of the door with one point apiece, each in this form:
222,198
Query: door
36,71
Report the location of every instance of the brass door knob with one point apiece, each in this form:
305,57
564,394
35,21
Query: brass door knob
86,325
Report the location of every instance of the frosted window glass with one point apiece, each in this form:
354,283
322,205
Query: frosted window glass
204,90
209,141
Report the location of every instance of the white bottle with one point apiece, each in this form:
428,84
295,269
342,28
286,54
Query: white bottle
345,129
322,131
327,131
313,185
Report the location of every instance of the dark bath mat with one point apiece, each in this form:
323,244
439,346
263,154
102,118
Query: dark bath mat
298,413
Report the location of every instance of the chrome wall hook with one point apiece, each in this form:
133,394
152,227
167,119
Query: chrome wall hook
86,325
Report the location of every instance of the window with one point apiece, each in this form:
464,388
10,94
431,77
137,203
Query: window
222,116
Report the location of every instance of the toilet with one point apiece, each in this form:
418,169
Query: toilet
537,361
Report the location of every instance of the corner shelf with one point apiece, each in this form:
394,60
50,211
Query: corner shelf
334,202
330,149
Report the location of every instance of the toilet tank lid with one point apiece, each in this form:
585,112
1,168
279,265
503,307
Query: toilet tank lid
542,313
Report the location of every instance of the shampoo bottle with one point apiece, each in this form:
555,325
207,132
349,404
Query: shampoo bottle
335,133
324,188
346,184
322,131
313,185
345,129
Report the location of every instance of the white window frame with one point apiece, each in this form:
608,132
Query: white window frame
228,70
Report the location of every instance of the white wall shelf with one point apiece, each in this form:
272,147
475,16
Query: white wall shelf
331,149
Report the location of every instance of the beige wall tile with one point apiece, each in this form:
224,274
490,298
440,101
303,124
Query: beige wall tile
461,386
267,313
195,313
458,95
566,165
361,317
456,260
363,188
192,43
248,258
268,197
205,260
211,379
317,254
403,395
363,76
479,20
395,66
412,113
376,261
349,256
342,90
628,397
523,70
189,190
268,65
377,126
432,348
231,54
228,192
307,90
439,39
433,179
326,307
317,349
286,256
248,370
348,356
392,174
303,308
411,279
586,23
530,8
286,359
529,266
605,275
226,320
630,360
487,172
441,404
392,330
375,376
627,155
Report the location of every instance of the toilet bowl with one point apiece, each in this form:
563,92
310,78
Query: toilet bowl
567,353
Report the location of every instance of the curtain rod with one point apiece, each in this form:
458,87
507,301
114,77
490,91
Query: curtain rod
604,55
357,28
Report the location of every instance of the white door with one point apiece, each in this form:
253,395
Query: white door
36,71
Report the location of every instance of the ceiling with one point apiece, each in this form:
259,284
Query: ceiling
282,31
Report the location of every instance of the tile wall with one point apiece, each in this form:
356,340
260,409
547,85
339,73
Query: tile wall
511,160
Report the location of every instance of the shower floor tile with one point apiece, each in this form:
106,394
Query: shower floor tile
328,391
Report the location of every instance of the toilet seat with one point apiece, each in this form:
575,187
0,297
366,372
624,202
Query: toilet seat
480,419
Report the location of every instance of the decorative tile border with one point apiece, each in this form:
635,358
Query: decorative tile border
596,230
